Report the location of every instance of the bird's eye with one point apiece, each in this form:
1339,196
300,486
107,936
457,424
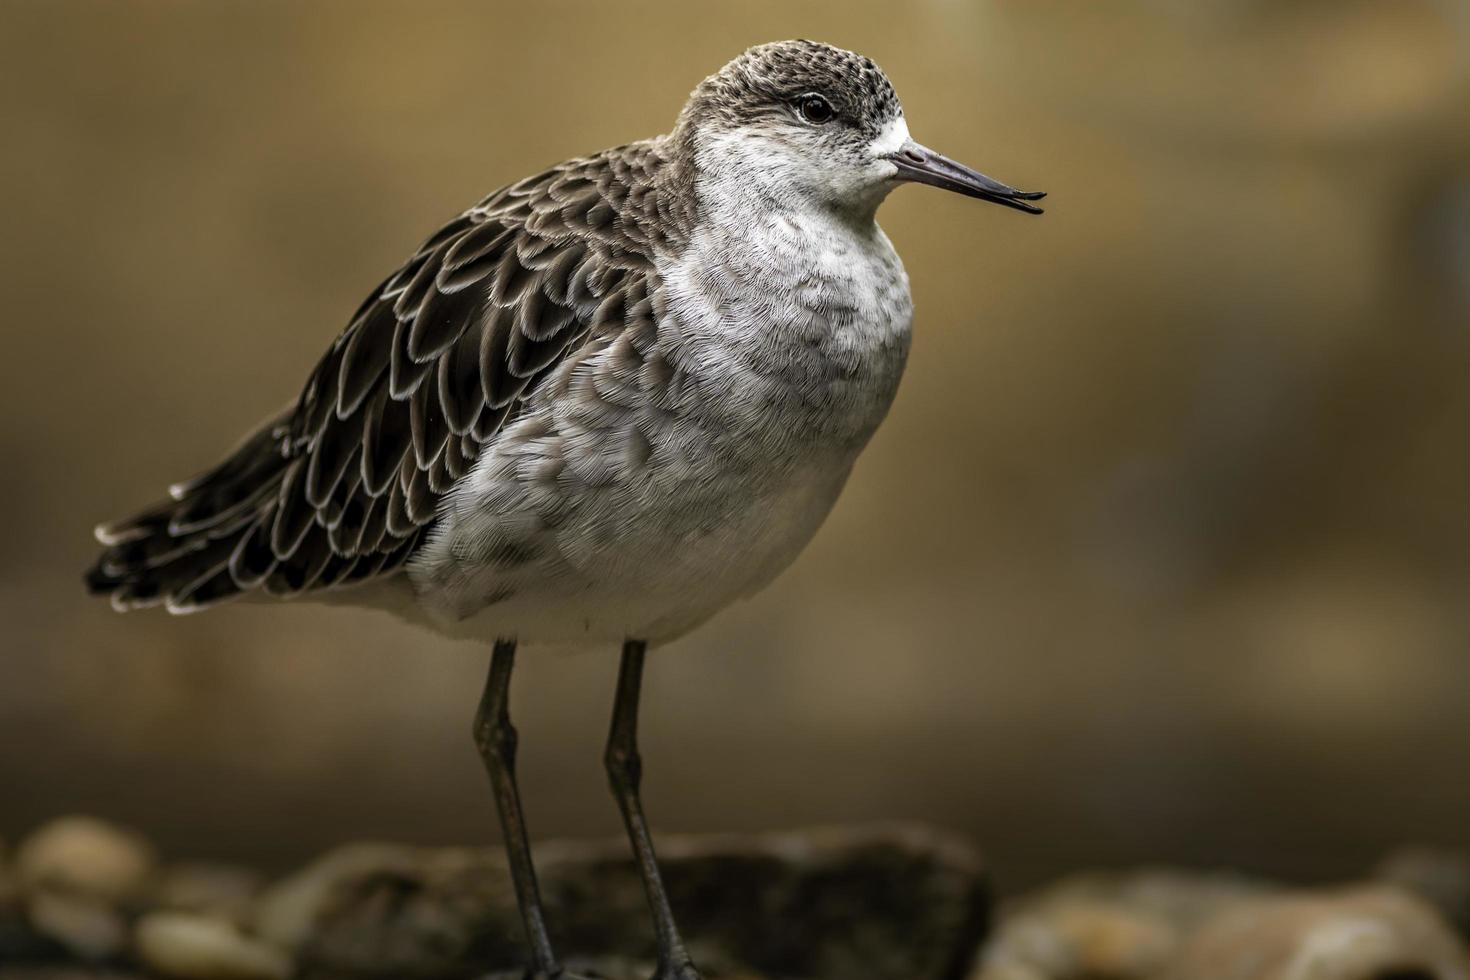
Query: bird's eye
814,109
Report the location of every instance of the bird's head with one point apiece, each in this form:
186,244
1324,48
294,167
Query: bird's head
800,122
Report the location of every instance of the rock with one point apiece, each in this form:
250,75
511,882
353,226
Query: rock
218,890
1116,926
86,927
196,947
1442,878
85,857
1371,933
859,905
849,904
286,912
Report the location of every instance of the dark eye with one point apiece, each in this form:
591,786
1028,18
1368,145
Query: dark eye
814,109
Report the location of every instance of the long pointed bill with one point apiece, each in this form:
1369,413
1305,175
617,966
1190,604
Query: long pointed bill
918,163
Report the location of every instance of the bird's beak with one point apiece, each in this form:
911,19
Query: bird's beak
918,163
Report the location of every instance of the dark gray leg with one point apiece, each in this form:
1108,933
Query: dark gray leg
625,770
496,739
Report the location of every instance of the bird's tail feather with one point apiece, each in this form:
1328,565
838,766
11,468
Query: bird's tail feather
179,551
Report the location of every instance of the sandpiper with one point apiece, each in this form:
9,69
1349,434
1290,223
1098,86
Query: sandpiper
595,408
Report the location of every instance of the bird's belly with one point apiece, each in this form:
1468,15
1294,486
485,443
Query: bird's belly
651,562
679,561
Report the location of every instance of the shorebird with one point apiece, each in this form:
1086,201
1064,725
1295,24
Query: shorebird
595,408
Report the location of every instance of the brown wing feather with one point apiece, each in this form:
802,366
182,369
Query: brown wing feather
342,487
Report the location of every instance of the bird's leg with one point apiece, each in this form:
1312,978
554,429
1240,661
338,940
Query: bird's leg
495,737
625,770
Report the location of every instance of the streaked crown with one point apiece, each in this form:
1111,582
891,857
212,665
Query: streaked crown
768,81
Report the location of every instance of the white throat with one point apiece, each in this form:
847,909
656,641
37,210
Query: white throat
753,169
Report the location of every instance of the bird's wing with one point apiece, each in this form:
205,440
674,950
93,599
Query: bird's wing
340,488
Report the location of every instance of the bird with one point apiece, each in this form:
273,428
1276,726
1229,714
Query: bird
594,409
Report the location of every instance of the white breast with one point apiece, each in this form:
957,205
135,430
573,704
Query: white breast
809,312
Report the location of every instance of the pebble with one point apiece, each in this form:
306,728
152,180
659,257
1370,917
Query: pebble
1366,933
1184,926
196,947
1124,927
85,857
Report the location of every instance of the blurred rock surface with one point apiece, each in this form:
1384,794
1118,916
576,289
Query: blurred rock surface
875,903
841,903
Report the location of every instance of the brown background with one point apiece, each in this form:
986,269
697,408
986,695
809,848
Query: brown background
1164,553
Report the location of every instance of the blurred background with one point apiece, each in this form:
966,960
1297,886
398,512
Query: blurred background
1163,554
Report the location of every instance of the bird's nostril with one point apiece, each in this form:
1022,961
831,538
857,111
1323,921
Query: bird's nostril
913,156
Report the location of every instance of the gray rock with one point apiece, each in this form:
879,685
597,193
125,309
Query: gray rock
855,905
196,947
